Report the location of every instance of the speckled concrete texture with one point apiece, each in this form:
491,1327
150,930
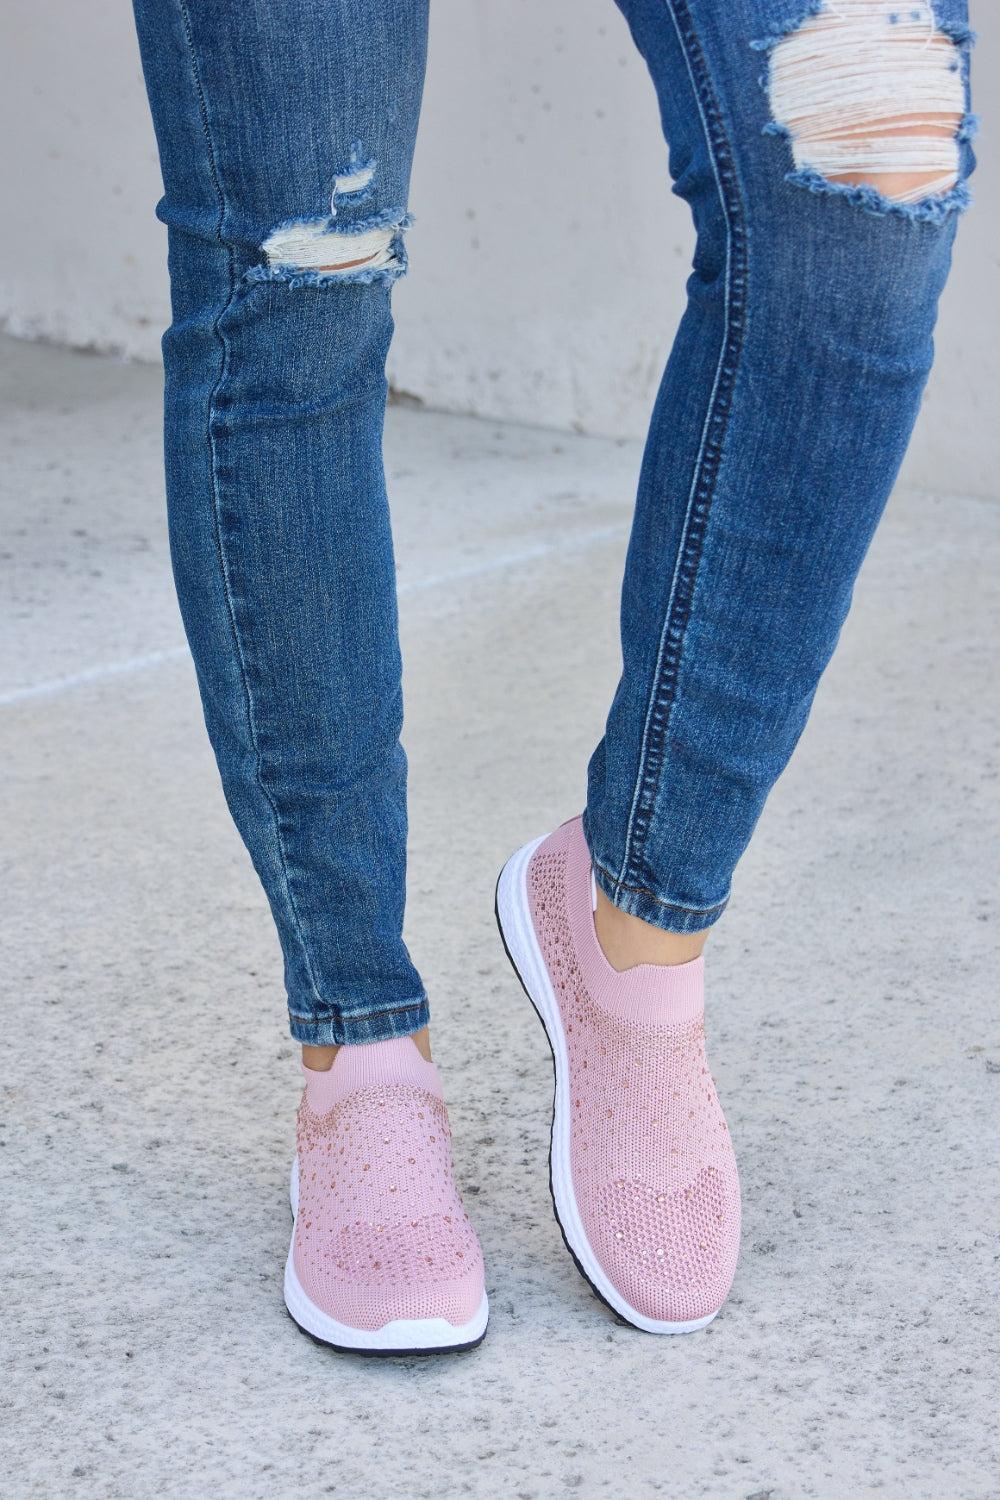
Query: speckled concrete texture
149,1086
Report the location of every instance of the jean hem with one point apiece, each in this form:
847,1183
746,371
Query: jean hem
340,1030
670,916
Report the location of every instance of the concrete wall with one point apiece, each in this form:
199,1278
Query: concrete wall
548,259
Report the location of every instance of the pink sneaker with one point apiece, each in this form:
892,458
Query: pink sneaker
383,1258
641,1165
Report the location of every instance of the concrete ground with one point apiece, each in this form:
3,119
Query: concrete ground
149,1086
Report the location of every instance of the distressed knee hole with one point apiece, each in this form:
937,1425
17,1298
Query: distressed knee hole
352,183
872,93
313,245
319,250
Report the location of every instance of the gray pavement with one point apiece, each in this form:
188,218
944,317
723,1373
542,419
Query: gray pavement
149,1085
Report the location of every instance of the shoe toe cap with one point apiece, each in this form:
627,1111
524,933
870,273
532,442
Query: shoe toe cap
366,1275
671,1255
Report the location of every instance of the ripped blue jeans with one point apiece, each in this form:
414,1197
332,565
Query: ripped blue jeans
286,133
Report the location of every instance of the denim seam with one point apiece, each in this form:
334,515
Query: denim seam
210,435
345,1016
641,890
707,463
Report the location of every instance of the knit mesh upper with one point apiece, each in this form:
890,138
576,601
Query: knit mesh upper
380,1232
654,1175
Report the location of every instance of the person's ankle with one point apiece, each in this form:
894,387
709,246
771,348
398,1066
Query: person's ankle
627,941
320,1059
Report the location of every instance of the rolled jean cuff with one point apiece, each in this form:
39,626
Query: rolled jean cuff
384,1026
653,909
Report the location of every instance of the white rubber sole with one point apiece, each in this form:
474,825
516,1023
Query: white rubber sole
518,933
402,1336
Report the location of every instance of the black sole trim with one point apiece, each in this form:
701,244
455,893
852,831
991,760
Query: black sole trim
389,1353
